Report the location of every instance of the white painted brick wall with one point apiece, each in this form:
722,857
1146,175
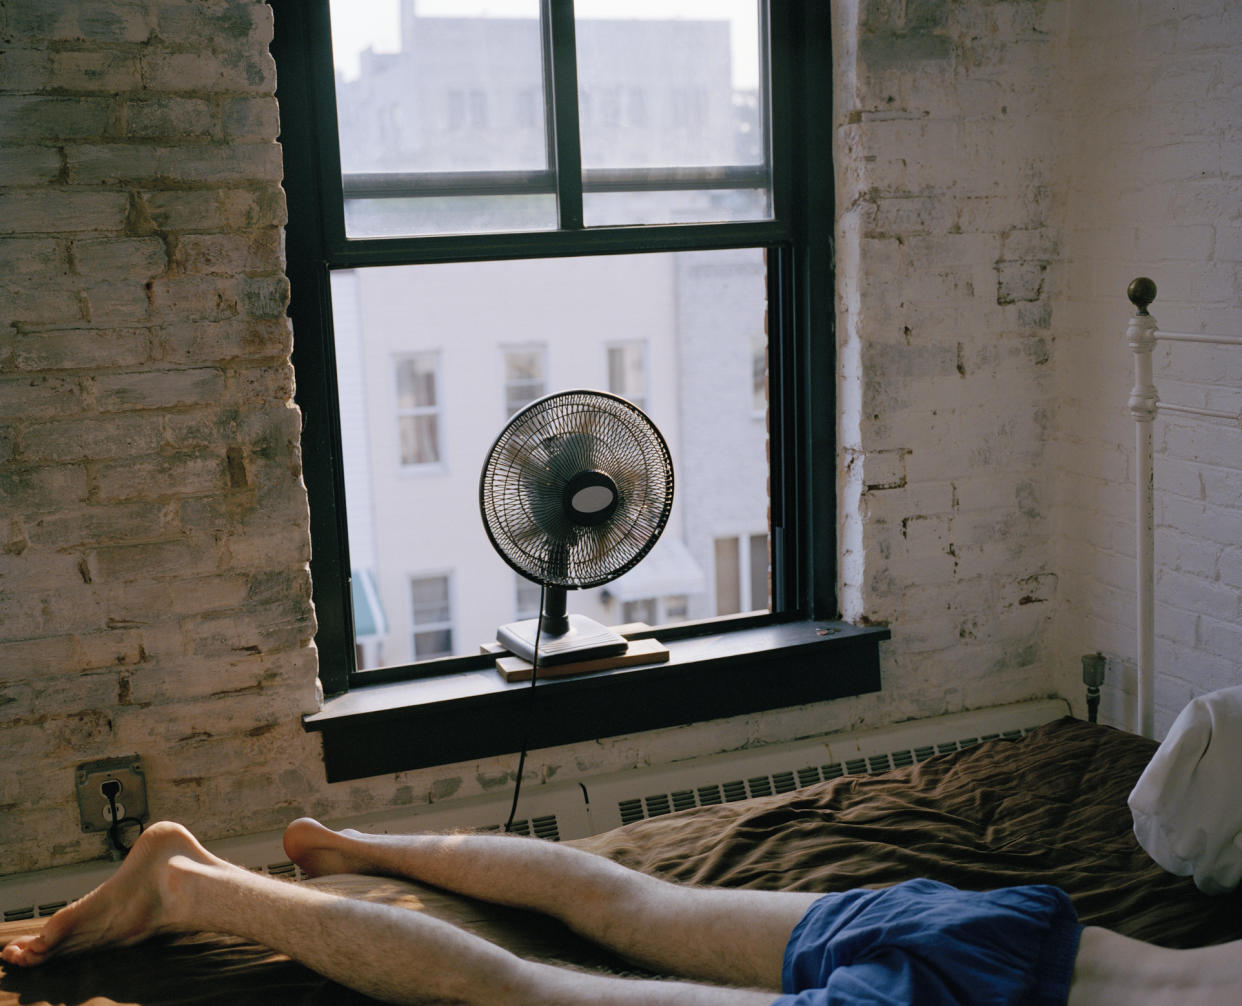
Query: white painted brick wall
1154,189
947,239
154,589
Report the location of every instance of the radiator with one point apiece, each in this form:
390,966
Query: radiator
598,803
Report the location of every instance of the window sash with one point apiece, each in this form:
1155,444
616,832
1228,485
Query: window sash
564,177
412,184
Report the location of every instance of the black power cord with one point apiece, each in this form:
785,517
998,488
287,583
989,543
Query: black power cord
110,789
534,676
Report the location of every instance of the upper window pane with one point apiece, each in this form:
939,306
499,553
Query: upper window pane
669,108
424,99
444,115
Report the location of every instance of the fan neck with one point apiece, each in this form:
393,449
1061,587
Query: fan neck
555,621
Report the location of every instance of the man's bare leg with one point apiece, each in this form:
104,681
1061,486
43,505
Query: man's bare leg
1115,970
732,937
729,937
170,883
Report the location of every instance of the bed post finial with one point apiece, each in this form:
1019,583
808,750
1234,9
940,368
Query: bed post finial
1142,292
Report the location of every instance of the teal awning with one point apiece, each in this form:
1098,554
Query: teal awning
369,619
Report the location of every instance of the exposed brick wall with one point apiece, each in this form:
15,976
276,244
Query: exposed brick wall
154,588
1153,187
947,238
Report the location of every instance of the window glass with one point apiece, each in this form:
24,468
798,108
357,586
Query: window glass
467,356
425,93
444,115
669,99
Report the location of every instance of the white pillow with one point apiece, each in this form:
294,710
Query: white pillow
1187,804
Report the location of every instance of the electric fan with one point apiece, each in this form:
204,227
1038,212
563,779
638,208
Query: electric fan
574,492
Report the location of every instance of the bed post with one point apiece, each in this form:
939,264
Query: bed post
1141,335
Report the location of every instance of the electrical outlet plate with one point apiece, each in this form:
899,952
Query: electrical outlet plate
131,800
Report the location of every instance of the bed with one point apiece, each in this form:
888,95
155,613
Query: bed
1049,807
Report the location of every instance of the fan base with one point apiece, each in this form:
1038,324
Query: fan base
585,639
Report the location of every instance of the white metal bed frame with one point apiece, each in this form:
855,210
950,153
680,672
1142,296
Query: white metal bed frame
1145,403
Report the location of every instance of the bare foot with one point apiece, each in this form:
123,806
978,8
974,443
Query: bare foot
135,903
320,851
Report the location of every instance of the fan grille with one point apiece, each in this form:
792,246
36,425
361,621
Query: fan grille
523,487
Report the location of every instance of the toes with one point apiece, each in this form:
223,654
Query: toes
25,951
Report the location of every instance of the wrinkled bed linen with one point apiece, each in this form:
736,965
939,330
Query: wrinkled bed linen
1047,809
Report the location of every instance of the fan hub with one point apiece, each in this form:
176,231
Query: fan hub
590,498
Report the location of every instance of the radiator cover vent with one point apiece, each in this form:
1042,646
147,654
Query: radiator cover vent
730,791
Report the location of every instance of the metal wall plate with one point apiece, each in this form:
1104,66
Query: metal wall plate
131,799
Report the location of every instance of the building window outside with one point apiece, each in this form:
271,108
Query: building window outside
741,574
526,597
525,378
627,371
454,109
655,610
418,409
525,103
478,109
758,374
639,611
432,615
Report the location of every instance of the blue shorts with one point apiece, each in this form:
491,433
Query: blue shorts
923,943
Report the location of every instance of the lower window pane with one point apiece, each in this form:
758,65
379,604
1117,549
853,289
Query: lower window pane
676,330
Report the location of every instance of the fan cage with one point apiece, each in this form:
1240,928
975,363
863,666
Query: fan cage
523,484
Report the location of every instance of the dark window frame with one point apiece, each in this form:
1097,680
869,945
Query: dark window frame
798,243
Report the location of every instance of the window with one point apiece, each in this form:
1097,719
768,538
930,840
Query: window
758,374
431,611
627,372
524,378
497,240
741,573
656,610
418,413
